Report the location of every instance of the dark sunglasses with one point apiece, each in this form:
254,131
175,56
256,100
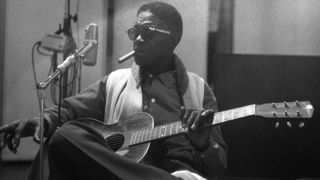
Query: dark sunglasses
147,33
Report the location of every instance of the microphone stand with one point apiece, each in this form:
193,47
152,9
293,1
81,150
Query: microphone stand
79,54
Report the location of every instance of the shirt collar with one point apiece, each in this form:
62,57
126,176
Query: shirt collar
181,74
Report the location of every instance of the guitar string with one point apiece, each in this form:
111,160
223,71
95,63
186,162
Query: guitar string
157,132
143,136
154,133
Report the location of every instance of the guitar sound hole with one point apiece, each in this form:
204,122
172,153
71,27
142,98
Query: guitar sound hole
115,141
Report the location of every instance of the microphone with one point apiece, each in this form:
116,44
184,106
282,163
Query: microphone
78,55
91,34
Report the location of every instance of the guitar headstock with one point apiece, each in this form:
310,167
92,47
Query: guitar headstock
298,109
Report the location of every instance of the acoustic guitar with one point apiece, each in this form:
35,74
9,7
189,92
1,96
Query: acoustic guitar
132,139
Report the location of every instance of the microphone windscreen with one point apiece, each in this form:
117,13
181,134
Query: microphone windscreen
91,34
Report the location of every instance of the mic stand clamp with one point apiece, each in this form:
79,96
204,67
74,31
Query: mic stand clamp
60,69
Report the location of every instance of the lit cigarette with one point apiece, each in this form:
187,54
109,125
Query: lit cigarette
126,57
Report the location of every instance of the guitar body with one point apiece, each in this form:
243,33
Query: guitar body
117,137
135,123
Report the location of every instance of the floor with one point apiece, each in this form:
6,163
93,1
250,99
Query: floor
14,170
19,171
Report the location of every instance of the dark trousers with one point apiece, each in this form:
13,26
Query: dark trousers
76,152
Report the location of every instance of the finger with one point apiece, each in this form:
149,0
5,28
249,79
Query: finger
6,138
36,136
191,119
17,134
9,140
197,121
186,115
2,143
208,115
183,110
6,135
6,128
207,112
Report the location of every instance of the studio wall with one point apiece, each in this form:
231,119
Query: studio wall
288,27
26,23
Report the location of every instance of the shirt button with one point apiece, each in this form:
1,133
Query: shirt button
150,75
153,100
215,145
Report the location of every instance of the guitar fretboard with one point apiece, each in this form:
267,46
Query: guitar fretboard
156,133
175,128
228,115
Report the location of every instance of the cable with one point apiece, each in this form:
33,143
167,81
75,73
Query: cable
74,78
42,53
79,66
34,70
54,83
60,98
79,77
78,26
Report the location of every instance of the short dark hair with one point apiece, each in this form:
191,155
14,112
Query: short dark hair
168,14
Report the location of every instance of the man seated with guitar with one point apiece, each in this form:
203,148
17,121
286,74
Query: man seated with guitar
158,84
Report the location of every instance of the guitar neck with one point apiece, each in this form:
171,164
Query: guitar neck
232,114
158,132
146,135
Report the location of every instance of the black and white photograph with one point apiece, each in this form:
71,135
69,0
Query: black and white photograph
159,90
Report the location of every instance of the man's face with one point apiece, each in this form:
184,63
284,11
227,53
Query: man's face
150,47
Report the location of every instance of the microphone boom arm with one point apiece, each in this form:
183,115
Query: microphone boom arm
79,54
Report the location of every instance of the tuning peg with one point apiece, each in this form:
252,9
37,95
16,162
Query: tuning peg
297,103
301,124
277,125
298,114
274,105
274,114
285,104
289,124
286,114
